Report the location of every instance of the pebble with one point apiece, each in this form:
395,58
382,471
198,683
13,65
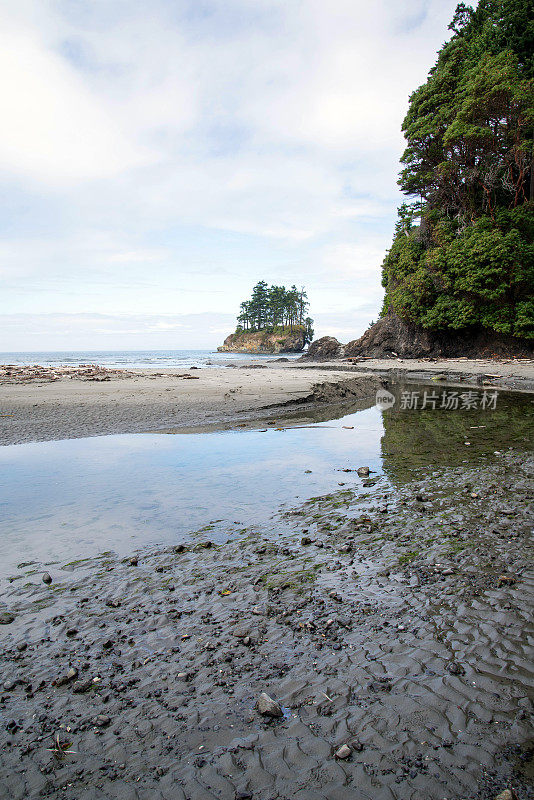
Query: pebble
268,707
343,752
101,721
82,686
71,675
506,580
47,578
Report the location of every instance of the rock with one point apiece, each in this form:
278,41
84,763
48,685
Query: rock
268,707
363,471
506,795
324,349
179,548
506,580
6,617
72,632
71,675
47,578
264,342
241,631
455,668
102,721
343,752
305,540
9,686
82,686
133,562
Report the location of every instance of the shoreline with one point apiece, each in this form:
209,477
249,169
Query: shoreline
74,405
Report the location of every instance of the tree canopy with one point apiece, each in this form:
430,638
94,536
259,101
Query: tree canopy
273,307
463,252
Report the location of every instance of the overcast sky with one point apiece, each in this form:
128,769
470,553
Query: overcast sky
157,158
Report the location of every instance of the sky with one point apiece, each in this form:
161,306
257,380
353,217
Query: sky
158,158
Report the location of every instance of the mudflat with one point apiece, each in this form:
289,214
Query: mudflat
48,404
390,630
67,405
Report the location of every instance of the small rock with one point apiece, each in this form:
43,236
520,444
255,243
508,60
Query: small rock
47,578
363,472
134,561
506,580
6,617
343,752
455,668
305,540
179,548
9,686
102,721
241,631
506,795
82,686
71,675
72,632
268,707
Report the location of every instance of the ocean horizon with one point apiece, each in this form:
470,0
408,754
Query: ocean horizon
134,359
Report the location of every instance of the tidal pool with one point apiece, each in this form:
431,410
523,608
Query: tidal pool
70,499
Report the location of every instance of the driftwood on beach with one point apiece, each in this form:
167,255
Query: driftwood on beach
35,372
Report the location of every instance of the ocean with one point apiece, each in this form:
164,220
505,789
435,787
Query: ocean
135,359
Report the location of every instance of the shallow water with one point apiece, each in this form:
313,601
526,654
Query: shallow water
75,498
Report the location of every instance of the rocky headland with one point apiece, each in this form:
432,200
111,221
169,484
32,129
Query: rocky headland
392,336
279,341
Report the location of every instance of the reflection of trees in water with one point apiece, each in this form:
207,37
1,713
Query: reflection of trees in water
428,438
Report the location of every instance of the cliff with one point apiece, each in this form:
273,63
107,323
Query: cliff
392,336
281,340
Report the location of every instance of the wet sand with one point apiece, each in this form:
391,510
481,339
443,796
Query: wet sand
130,402
68,405
397,623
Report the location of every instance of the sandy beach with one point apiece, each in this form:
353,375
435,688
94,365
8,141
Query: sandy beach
388,622
70,405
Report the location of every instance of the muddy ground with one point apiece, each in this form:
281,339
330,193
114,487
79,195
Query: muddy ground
397,623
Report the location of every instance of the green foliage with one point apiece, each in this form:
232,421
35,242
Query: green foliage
469,262
275,307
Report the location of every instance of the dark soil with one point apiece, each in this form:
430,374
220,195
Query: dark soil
397,623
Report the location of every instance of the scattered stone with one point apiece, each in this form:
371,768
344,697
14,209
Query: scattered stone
71,675
506,795
101,721
268,707
506,580
82,686
47,578
343,752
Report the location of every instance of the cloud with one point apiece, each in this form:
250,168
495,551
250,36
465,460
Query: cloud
164,159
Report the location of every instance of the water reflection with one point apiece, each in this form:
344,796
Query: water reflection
70,499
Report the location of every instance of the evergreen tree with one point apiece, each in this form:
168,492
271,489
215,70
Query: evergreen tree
272,307
463,252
